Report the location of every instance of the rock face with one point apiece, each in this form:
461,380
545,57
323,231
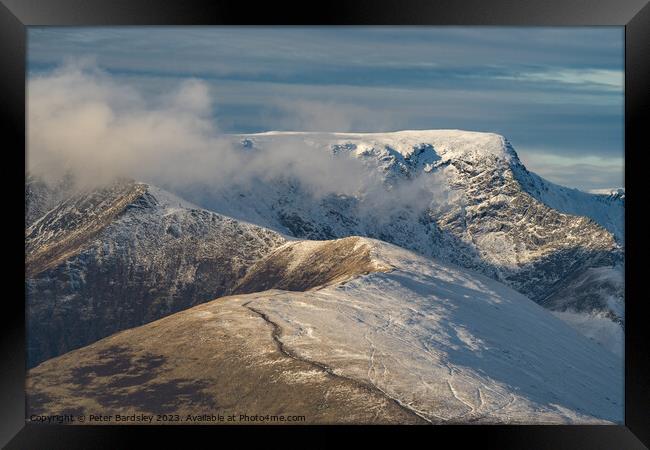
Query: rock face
606,207
459,196
127,254
381,336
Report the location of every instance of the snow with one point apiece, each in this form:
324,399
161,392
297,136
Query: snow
594,304
605,207
608,191
448,143
129,254
450,344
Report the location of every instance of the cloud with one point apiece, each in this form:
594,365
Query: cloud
96,125
81,120
609,79
84,122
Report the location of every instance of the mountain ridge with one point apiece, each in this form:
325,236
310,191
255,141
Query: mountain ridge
487,221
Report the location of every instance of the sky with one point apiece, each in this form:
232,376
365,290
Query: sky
556,93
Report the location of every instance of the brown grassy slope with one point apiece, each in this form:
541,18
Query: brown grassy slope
305,265
217,358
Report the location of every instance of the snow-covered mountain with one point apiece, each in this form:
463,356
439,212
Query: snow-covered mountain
351,331
119,256
463,197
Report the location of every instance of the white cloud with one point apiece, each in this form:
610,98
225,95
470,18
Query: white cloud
80,120
610,79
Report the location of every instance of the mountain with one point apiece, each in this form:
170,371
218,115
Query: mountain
348,331
462,197
404,300
116,257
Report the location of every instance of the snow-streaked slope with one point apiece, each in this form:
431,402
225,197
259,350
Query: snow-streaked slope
605,206
219,358
306,265
442,343
482,218
450,344
63,231
123,255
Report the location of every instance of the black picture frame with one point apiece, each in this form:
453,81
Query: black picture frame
634,15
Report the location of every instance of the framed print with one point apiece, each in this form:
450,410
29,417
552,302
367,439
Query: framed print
364,217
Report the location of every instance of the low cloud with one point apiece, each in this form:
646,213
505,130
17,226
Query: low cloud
81,121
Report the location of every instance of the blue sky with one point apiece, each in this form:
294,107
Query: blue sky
555,93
